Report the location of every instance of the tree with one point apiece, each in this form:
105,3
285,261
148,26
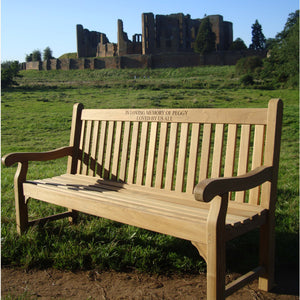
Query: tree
47,54
9,70
36,55
206,39
238,44
282,64
258,38
28,57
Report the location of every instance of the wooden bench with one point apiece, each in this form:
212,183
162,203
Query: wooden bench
204,175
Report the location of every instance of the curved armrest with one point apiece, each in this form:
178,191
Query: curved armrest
207,189
11,158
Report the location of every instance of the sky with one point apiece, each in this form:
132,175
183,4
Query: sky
36,24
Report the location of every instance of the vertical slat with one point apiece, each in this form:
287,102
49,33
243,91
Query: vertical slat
87,145
115,164
161,155
243,158
191,174
133,150
108,151
151,154
205,151
142,154
75,138
94,148
230,152
124,157
81,143
257,158
217,153
101,148
171,156
181,157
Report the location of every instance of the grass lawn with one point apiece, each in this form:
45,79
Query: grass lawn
36,116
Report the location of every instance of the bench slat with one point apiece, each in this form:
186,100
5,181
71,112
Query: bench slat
116,155
257,159
133,152
217,153
243,157
151,155
230,151
125,147
184,131
81,143
160,166
192,166
87,145
108,151
94,149
171,156
205,151
101,148
142,154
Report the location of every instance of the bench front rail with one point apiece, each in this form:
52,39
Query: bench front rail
204,175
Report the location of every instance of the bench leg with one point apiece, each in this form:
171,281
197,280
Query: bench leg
267,255
216,271
20,203
216,251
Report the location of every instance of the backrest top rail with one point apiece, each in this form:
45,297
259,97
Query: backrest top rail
182,115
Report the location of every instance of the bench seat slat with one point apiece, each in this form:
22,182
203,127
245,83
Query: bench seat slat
161,205
244,209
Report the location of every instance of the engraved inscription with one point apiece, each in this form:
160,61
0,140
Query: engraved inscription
157,115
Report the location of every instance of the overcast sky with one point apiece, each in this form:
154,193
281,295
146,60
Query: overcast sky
35,24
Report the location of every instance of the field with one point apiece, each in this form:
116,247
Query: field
36,116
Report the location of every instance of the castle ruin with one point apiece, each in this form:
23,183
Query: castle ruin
161,34
166,41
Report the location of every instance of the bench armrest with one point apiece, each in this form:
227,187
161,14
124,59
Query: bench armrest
207,189
11,158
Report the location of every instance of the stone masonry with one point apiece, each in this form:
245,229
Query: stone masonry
160,34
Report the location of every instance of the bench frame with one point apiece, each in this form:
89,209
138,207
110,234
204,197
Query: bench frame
212,190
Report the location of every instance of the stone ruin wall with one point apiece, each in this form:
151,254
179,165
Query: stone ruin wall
160,34
168,60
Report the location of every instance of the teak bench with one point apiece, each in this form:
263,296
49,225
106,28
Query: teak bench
204,175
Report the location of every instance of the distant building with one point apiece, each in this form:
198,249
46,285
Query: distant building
160,34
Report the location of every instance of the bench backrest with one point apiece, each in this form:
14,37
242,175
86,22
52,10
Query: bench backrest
174,149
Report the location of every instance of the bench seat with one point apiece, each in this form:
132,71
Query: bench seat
173,213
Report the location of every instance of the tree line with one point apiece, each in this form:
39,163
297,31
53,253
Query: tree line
36,55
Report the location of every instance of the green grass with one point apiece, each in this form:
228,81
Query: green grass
36,116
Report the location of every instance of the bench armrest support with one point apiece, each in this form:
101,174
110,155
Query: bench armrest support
207,189
11,158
